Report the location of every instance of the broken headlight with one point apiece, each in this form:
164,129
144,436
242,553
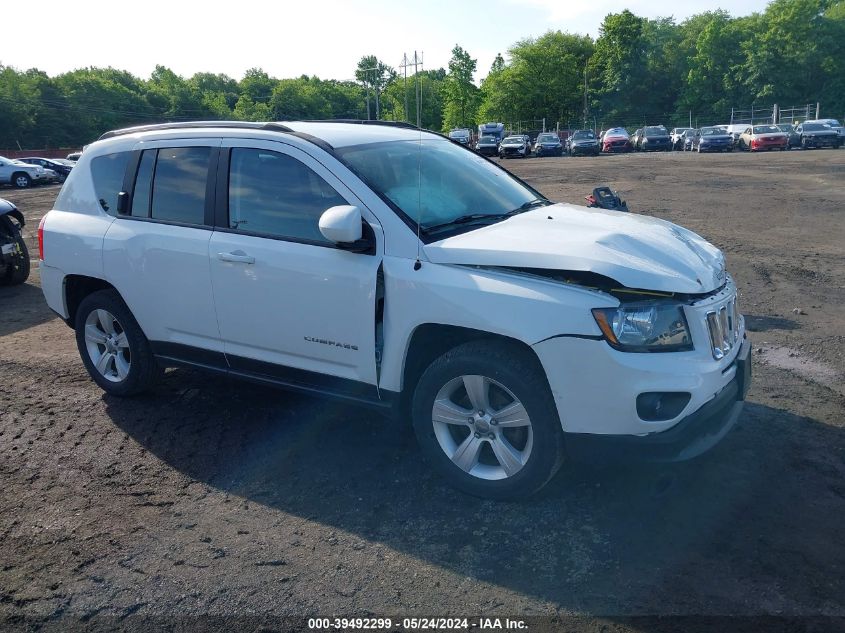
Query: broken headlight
645,327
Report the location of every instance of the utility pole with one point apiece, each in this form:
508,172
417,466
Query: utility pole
586,110
404,67
417,63
367,70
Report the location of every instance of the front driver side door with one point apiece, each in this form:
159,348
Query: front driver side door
290,304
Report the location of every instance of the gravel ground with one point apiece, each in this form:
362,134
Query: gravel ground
210,500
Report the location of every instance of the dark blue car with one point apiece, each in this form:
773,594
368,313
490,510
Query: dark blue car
712,139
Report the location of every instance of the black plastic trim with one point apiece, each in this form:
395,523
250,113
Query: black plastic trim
189,354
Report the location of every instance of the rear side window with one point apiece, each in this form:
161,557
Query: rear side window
179,184
276,195
107,172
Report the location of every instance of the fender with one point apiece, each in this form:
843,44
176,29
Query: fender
7,208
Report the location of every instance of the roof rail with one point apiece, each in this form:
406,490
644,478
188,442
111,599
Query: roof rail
404,124
250,125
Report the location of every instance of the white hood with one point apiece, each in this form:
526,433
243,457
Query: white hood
637,251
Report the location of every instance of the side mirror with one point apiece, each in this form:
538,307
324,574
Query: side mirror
344,226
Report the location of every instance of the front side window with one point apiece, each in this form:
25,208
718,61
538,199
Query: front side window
276,195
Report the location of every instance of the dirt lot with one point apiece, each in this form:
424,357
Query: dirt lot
216,498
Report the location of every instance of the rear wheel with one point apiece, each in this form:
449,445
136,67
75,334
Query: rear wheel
112,345
17,270
486,421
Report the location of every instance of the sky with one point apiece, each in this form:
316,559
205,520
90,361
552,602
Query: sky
287,38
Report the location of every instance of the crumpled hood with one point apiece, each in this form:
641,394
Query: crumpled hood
637,251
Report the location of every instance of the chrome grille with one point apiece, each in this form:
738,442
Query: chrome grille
723,326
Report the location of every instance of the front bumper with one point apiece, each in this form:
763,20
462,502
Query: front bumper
584,149
549,151
491,150
694,435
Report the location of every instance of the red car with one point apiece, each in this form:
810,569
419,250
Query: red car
763,137
616,139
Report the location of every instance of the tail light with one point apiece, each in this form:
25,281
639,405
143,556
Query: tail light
41,238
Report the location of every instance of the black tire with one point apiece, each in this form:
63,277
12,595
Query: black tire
18,271
518,371
143,368
21,180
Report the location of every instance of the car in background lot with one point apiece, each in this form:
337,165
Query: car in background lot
636,138
20,174
735,129
711,139
687,138
675,136
760,138
510,330
812,135
548,144
833,124
460,135
583,142
616,139
73,156
487,145
794,140
655,138
517,146
61,166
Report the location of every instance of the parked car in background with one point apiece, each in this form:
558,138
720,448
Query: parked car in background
487,145
515,147
793,139
655,138
735,129
583,142
73,156
61,166
460,135
616,139
548,144
687,139
711,139
636,137
812,135
14,256
675,136
833,124
20,174
760,138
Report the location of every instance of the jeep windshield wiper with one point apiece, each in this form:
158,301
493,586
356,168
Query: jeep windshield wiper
531,204
466,219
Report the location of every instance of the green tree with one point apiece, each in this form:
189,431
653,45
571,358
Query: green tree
375,75
461,96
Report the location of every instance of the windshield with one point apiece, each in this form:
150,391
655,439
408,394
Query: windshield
815,127
765,129
712,131
457,134
617,131
436,181
513,140
784,127
584,134
546,138
487,139
656,131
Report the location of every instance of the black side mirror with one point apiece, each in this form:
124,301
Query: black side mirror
122,203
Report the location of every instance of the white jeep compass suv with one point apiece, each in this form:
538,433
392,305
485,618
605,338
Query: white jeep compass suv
394,268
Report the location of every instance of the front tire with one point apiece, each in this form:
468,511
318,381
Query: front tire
112,345
486,421
21,180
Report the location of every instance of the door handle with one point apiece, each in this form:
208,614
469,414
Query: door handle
236,256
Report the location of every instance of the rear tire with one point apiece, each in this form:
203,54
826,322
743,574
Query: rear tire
18,271
112,345
455,407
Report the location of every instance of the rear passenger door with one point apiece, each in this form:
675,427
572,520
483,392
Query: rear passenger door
156,251
291,305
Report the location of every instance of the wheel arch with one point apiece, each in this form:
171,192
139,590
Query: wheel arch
429,341
77,287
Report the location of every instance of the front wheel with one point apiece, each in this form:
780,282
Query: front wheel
486,421
112,345
21,180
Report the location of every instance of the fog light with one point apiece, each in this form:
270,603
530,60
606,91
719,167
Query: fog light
658,406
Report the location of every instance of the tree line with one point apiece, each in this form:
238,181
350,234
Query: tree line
637,71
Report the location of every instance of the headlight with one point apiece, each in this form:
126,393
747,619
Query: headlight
645,327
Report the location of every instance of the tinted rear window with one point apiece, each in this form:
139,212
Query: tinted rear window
179,185
107,172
